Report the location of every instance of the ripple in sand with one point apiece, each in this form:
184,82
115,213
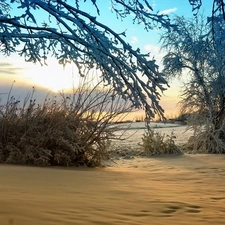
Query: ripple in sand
169,211
218,198
193,209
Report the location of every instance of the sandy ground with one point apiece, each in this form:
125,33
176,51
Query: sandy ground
188,189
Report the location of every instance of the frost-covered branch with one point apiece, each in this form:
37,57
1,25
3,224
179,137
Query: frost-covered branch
70,34
198,56
217,6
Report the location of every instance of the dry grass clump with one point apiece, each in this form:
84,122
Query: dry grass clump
71,131
155,143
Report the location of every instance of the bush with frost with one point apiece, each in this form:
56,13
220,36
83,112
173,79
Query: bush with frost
207,139
155,143
70,130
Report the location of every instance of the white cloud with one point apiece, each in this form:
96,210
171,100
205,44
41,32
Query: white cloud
167,11
134,40
155,52
153,4
152,48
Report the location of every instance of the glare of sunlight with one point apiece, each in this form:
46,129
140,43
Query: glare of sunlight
53,76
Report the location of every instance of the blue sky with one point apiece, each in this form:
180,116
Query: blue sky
55,77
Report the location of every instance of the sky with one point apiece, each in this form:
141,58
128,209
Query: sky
55,78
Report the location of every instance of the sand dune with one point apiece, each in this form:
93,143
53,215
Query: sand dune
185,189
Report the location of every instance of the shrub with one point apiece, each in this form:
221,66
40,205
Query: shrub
69,130
155,143
207,140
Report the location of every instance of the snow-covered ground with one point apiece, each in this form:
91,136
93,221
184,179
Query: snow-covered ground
132,133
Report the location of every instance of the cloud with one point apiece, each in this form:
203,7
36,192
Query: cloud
9,69
134,40
5,64
20,91
152,48
167,11
155,52
153,4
